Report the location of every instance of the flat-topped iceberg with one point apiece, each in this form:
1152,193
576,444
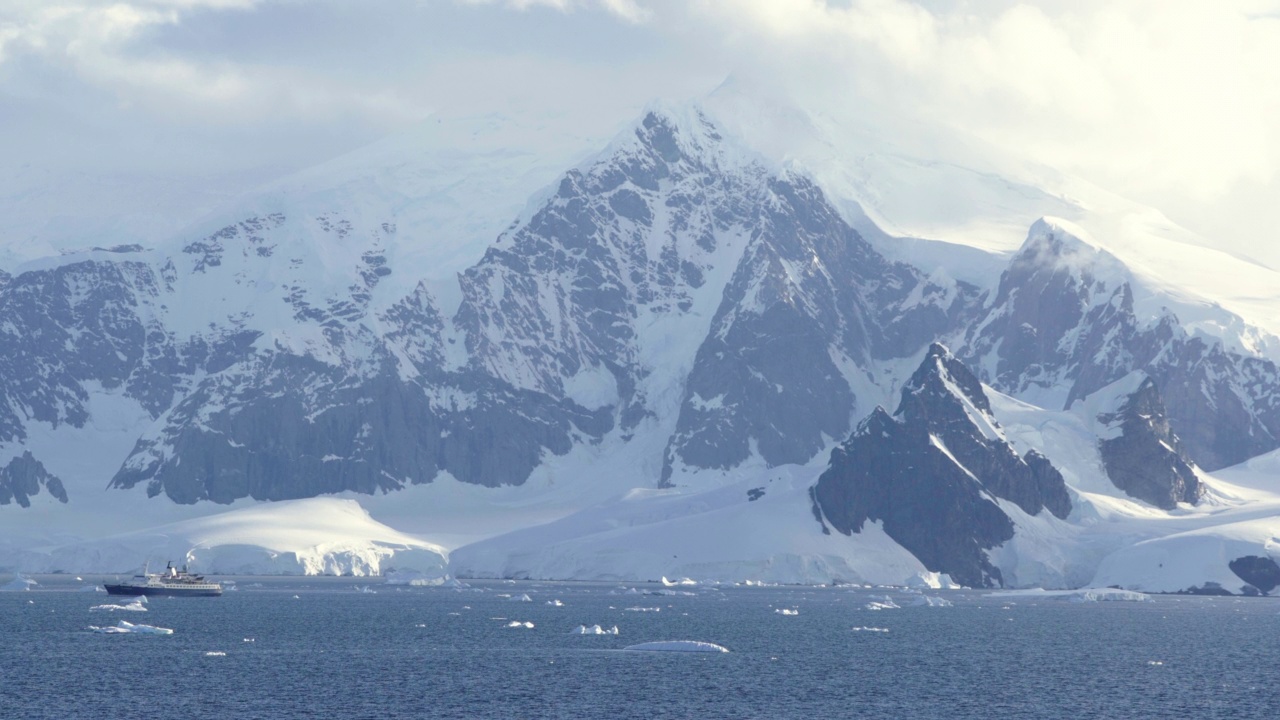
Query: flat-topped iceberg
124,626
678,646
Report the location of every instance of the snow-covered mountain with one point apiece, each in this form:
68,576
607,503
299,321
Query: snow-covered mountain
669,360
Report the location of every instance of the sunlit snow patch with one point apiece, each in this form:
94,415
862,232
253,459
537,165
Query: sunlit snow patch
124,626
677,646
594,630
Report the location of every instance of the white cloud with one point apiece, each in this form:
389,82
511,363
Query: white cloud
629,10
1170,101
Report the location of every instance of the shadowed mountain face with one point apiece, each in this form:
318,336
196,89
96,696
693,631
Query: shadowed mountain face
676,289
934,473
1145,459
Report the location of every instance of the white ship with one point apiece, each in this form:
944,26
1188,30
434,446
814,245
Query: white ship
170,582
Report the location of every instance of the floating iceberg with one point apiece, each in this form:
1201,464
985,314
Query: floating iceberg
871,629
522,598
365,589
124,626
93,589
215,653
594,630
930,601
643,609
786,611
555,603
138,605
681,581
882,603
677,646
415,578
518,624
18,584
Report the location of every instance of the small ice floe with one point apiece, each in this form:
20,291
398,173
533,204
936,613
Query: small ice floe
454,583
18,584
555,603
625,591
124,626
673,593
678,646
297,597
786,611
518,624
643,609
215,653
871,629
882,603
1155,663
250,639
365,589
593,630
521,598
92,589
138,605
930,601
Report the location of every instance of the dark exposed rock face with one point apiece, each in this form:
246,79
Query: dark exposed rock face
931,474
1262,573
1146,459
809,295
1063,317
24,477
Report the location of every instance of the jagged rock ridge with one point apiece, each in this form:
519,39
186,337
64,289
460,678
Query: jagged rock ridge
933,472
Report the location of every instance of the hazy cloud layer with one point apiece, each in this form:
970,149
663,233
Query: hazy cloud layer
1171,101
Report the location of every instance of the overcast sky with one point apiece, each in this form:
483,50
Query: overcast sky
1172,102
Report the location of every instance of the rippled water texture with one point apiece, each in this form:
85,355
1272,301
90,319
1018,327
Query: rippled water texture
334,652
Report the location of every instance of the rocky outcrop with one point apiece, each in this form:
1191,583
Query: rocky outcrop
24,477
1143,457
1261,572
932,475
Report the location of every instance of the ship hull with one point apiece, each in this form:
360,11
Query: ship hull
136,590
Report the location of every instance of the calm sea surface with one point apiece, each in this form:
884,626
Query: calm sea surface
408,652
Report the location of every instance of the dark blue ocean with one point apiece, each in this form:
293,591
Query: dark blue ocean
410,652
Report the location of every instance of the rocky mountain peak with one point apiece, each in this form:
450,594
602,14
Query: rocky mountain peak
934,473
